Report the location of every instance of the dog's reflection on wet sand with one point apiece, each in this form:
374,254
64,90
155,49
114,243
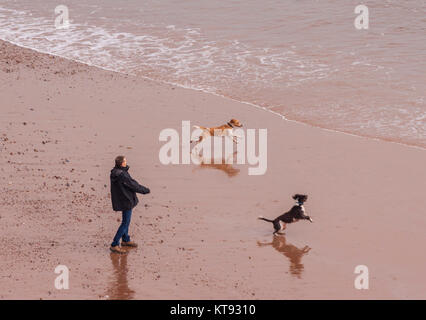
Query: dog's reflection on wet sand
293,253
227,168
223,165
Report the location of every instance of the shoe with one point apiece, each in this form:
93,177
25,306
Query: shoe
129,244
117,249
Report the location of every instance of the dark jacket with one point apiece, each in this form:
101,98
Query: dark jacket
124,189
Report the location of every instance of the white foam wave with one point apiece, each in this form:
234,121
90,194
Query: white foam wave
184,57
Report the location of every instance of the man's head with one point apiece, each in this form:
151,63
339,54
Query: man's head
120,161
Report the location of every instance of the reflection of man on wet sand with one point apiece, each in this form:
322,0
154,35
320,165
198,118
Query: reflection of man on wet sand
119,287
293,253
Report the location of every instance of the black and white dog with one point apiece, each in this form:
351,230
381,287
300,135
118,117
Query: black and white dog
295,214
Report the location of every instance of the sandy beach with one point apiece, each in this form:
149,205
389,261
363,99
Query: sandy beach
62,124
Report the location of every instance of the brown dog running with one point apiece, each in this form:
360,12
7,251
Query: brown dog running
223,130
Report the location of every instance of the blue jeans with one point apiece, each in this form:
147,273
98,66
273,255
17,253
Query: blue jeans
123,230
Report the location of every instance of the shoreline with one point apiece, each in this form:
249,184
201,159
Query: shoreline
283,117
198,231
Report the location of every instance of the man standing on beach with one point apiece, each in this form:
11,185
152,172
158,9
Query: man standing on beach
124,199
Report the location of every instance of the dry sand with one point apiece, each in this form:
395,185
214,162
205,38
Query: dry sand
61,125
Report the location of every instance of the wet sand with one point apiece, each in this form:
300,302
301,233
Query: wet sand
61,125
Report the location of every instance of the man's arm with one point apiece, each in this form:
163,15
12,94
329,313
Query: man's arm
134,185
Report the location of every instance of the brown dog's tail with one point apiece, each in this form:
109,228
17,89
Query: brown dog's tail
264,219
